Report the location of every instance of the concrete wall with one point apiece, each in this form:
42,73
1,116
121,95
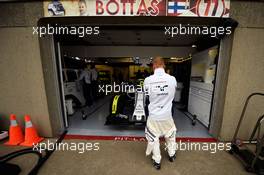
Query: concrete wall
246,68
22,88
21,79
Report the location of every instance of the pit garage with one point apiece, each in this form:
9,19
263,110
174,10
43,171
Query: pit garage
94,122
120,53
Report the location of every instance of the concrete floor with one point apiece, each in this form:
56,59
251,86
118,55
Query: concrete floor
128,158
94,124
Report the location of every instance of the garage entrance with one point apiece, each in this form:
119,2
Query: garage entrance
121,54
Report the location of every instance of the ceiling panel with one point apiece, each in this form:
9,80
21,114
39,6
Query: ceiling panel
137,37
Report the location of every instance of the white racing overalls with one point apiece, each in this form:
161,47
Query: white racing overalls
160,87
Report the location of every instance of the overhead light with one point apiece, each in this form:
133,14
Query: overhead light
87,61
176,58
106,62
194,46
181,59
77,58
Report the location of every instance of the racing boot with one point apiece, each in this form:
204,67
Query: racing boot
156,165
172,158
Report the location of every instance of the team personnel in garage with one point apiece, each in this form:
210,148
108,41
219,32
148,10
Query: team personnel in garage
87,89
94,77
160,87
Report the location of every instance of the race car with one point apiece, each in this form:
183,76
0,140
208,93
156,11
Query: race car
128,108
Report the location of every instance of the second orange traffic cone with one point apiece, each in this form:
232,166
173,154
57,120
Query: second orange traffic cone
15,132
31,135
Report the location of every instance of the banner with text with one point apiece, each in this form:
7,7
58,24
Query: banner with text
186,8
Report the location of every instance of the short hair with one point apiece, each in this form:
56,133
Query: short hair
159,62
82,1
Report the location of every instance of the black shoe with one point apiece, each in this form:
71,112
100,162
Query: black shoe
156,165
172,158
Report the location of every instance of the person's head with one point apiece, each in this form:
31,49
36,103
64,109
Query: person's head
88,67
168,71
82,7
158,62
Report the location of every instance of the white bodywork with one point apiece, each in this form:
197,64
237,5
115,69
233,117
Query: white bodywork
73,87
139,111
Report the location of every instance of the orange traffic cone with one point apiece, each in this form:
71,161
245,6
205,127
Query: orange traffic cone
31,135
15,132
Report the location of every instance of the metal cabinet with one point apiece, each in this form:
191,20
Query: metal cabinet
200,97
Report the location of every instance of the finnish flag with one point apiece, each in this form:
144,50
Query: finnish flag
177,7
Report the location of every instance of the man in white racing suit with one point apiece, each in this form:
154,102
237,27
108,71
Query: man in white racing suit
160,87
